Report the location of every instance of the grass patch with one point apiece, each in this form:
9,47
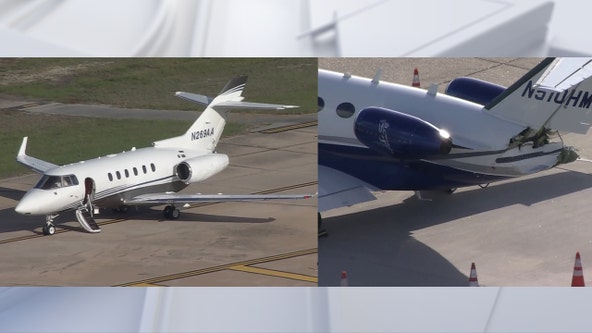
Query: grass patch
147,83
62,139
151,82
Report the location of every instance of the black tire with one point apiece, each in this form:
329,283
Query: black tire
175,214
167,212
48,230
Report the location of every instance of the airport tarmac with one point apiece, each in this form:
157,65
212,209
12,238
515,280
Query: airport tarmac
521,232
269,243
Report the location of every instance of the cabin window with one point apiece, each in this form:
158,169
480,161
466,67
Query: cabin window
110,176
144,169
153,167
135,171
321,103
126,173
118,174
345,110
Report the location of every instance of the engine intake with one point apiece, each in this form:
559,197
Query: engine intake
200,168
400,135
474,90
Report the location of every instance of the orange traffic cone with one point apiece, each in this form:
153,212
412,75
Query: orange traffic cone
415,82
343,279
578,274
473,282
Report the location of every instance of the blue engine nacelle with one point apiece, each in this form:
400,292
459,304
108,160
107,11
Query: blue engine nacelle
474,90
400,135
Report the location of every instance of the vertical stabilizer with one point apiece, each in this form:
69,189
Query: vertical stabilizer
556,94
205,132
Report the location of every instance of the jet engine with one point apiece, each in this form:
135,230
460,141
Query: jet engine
474,90
200,168
400,135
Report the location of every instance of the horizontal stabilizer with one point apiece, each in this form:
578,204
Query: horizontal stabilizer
36,164
254,106
195,98
565,73
231,103
166,198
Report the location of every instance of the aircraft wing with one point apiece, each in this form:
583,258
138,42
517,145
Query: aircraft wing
230,104
164,198
36,164
338,189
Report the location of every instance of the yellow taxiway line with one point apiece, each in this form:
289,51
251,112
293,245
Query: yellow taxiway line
271,272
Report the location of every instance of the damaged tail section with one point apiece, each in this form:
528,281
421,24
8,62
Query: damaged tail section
556,94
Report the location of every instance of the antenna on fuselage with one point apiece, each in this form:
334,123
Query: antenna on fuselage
376,78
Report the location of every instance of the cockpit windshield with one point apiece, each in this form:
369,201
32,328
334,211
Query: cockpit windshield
48,182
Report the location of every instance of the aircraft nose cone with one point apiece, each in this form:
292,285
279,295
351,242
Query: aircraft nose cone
30,204
23,208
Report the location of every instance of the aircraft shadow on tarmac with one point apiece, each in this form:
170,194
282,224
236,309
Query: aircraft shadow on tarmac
11,221
198,217
11,193
376,247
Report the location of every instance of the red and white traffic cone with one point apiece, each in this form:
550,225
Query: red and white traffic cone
473,282
415,82
577,279
343,279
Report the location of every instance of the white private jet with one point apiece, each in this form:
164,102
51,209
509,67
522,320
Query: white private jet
376,135
149,175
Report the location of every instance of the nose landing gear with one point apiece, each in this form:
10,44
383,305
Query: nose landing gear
49,228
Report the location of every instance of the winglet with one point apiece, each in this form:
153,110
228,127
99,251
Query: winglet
36,164
23,150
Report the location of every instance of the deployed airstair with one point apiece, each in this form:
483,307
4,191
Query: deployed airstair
84,215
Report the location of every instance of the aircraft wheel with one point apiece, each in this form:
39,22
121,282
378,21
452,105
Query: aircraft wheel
168,212
49,230
175,213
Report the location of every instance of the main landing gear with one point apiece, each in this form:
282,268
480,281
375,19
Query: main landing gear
49,228
171,212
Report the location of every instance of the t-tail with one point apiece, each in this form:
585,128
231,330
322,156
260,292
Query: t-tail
554,95
206,131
